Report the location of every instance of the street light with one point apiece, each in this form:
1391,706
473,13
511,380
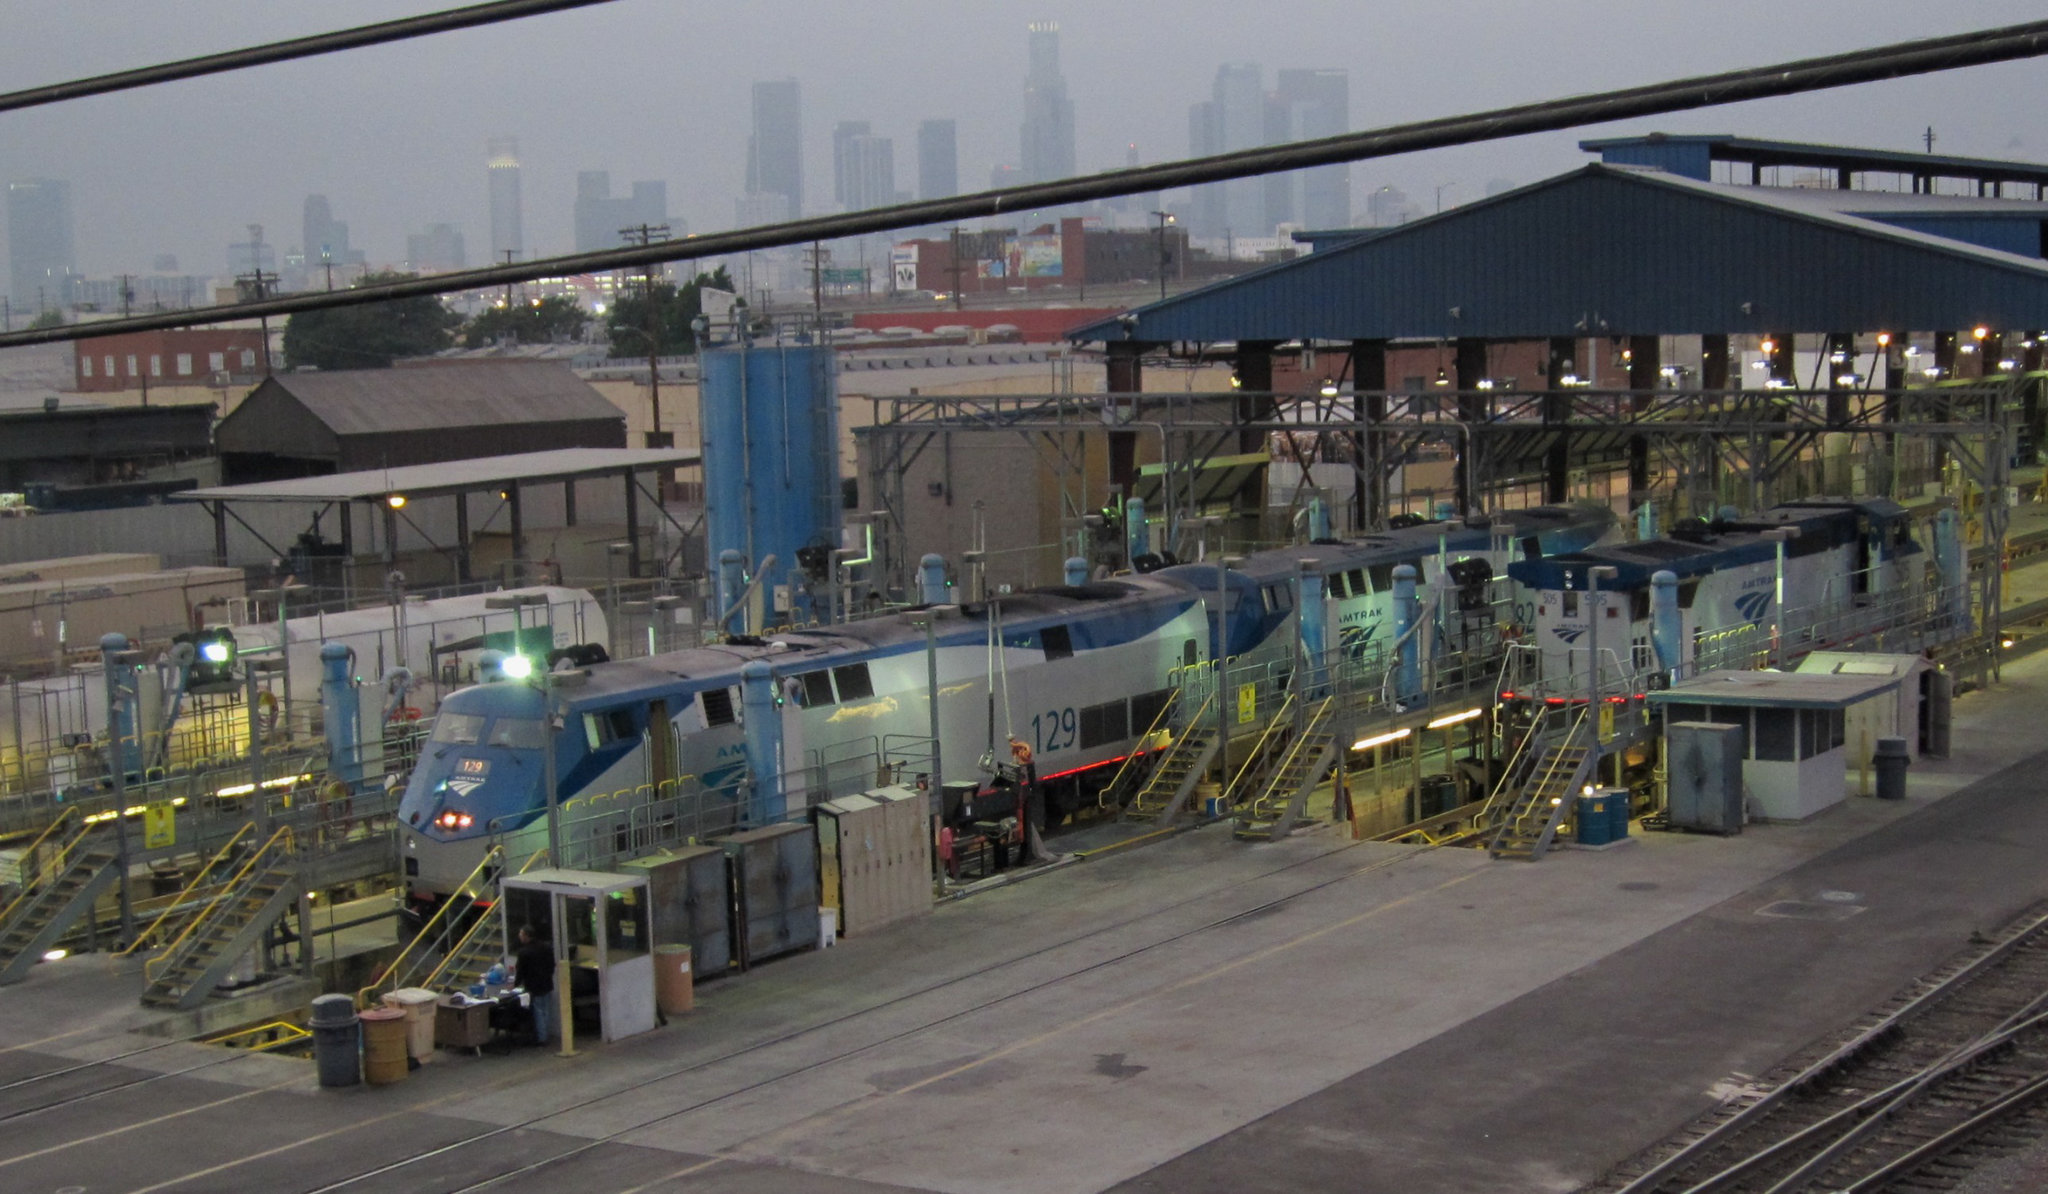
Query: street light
1165,219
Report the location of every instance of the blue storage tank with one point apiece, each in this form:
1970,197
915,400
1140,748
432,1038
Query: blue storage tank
771,459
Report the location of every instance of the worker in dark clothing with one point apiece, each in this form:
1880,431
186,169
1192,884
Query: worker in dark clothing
534,970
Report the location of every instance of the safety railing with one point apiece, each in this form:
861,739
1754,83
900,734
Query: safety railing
1113,794
278,1034
1247,771
189,892
439,929
280,843
492,917
40,865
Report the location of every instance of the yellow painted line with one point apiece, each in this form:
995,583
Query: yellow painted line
145,1123
410,1109
1117,1009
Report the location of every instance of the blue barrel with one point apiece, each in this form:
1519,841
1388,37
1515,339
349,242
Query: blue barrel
1596,822
1619,806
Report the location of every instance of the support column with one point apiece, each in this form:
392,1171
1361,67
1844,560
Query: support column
1557,460
1714,361
569,503
390,536
518,531
1945,354
347,511
1990,351
1779,360
1470,360
1126,375
633,526
462,556
220,533
1645,369
1255,391
1841,364
1369,406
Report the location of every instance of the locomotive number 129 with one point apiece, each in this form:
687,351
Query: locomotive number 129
1053,730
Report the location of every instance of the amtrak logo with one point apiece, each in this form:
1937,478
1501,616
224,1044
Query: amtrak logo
1570,634
1356,639
1752,606
463,786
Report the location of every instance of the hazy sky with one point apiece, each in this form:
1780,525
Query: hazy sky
395,135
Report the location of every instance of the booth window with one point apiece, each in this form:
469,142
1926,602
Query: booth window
625,926
1777,734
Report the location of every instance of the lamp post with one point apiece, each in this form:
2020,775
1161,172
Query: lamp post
1165,219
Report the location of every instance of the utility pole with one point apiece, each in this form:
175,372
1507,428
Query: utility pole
819,256
255,287
643,234
509,255
956,267
127,295
327,263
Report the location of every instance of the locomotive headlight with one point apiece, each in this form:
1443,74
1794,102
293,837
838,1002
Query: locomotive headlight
516,667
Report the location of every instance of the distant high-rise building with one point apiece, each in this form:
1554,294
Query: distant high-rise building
1389,206
324,243
508,233
775,150
1307,104
40,254
843,135
938,160
1234,117
600,217
247,258
1047,151
864,168
437,249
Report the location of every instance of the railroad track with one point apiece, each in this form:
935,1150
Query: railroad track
1950,1072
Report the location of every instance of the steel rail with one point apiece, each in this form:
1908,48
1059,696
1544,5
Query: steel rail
310,46
1895,61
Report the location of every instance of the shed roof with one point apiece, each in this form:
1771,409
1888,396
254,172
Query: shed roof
1760,151
1777,690
452,476
441,395
1612,250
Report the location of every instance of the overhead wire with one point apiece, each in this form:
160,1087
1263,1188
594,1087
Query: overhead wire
1898,60
403,29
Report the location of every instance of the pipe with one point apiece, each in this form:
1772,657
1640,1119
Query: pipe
1665,629
1137,538
1646,521
1318,519
1077,570
763,741
1313,615
931,579
341,716
731,580
1407,620
397,686
745,595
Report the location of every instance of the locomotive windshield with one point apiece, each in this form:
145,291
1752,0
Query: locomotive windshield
458,729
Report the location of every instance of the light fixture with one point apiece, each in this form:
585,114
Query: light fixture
516,667
56,955
396,501
2007,365
216,651
1884,339
1442,378
1381,739
1236,382
1454,719
1837,357
1912,350
1966,349
1329,388
1769,345
1980,331
1486,383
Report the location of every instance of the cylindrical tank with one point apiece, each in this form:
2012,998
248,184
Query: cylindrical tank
1891,761
1137,535
732,579
1595,822
384,1056
1314,615
771,454
675,990
1077,570
337,1040
931,579
763,743
1665,626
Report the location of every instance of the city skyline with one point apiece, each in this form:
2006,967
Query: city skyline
317,129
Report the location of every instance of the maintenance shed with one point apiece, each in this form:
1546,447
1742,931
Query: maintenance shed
1795,761
314,424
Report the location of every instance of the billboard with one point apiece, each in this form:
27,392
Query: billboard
1036,257
903,267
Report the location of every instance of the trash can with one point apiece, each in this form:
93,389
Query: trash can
675,986
418,1005
1595,823
1891,761
828,927
384,1060
337,1040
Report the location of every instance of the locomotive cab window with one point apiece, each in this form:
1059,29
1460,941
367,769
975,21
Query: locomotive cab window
608,726
519,733
458,729
854,682
817,689
717,706
1057,641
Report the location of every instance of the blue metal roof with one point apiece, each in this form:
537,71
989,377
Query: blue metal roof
1693,155
1615,250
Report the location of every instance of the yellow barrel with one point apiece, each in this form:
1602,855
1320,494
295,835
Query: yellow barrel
384,1036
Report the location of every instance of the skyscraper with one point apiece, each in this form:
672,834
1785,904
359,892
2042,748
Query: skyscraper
599,216
40,253
866,170
438,248
1307,104
938,160
775,150
508,235
1047,150
843,135
1234,117
324,242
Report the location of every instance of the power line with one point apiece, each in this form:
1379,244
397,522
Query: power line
284,51
1811,74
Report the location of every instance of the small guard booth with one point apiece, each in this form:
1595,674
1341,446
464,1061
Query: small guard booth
1796,749
599,924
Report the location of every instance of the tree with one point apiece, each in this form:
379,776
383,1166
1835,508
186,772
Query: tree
545,321
372,335
48,317
626,324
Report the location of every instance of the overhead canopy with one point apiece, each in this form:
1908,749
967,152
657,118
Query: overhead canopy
450,477
1610,250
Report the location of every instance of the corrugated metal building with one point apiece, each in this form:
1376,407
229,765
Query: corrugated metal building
312,424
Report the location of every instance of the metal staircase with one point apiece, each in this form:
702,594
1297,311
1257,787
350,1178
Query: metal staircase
1165,790
64,871
225,928
485,943
1536,794
208,882
444,931
1272,813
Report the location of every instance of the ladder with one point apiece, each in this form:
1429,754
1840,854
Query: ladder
1539,794
1272,814
1164,793
184,973
65,870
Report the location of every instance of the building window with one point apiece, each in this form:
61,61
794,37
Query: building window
248,358
156,365
110,364
132,370
216,361
184,364
85,366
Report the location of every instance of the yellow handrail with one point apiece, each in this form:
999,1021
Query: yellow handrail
28,887
1314,722
283,835
428,930
283,1033
186,893
433,979
1165,708
1258,749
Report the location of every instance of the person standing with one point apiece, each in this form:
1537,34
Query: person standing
534,970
